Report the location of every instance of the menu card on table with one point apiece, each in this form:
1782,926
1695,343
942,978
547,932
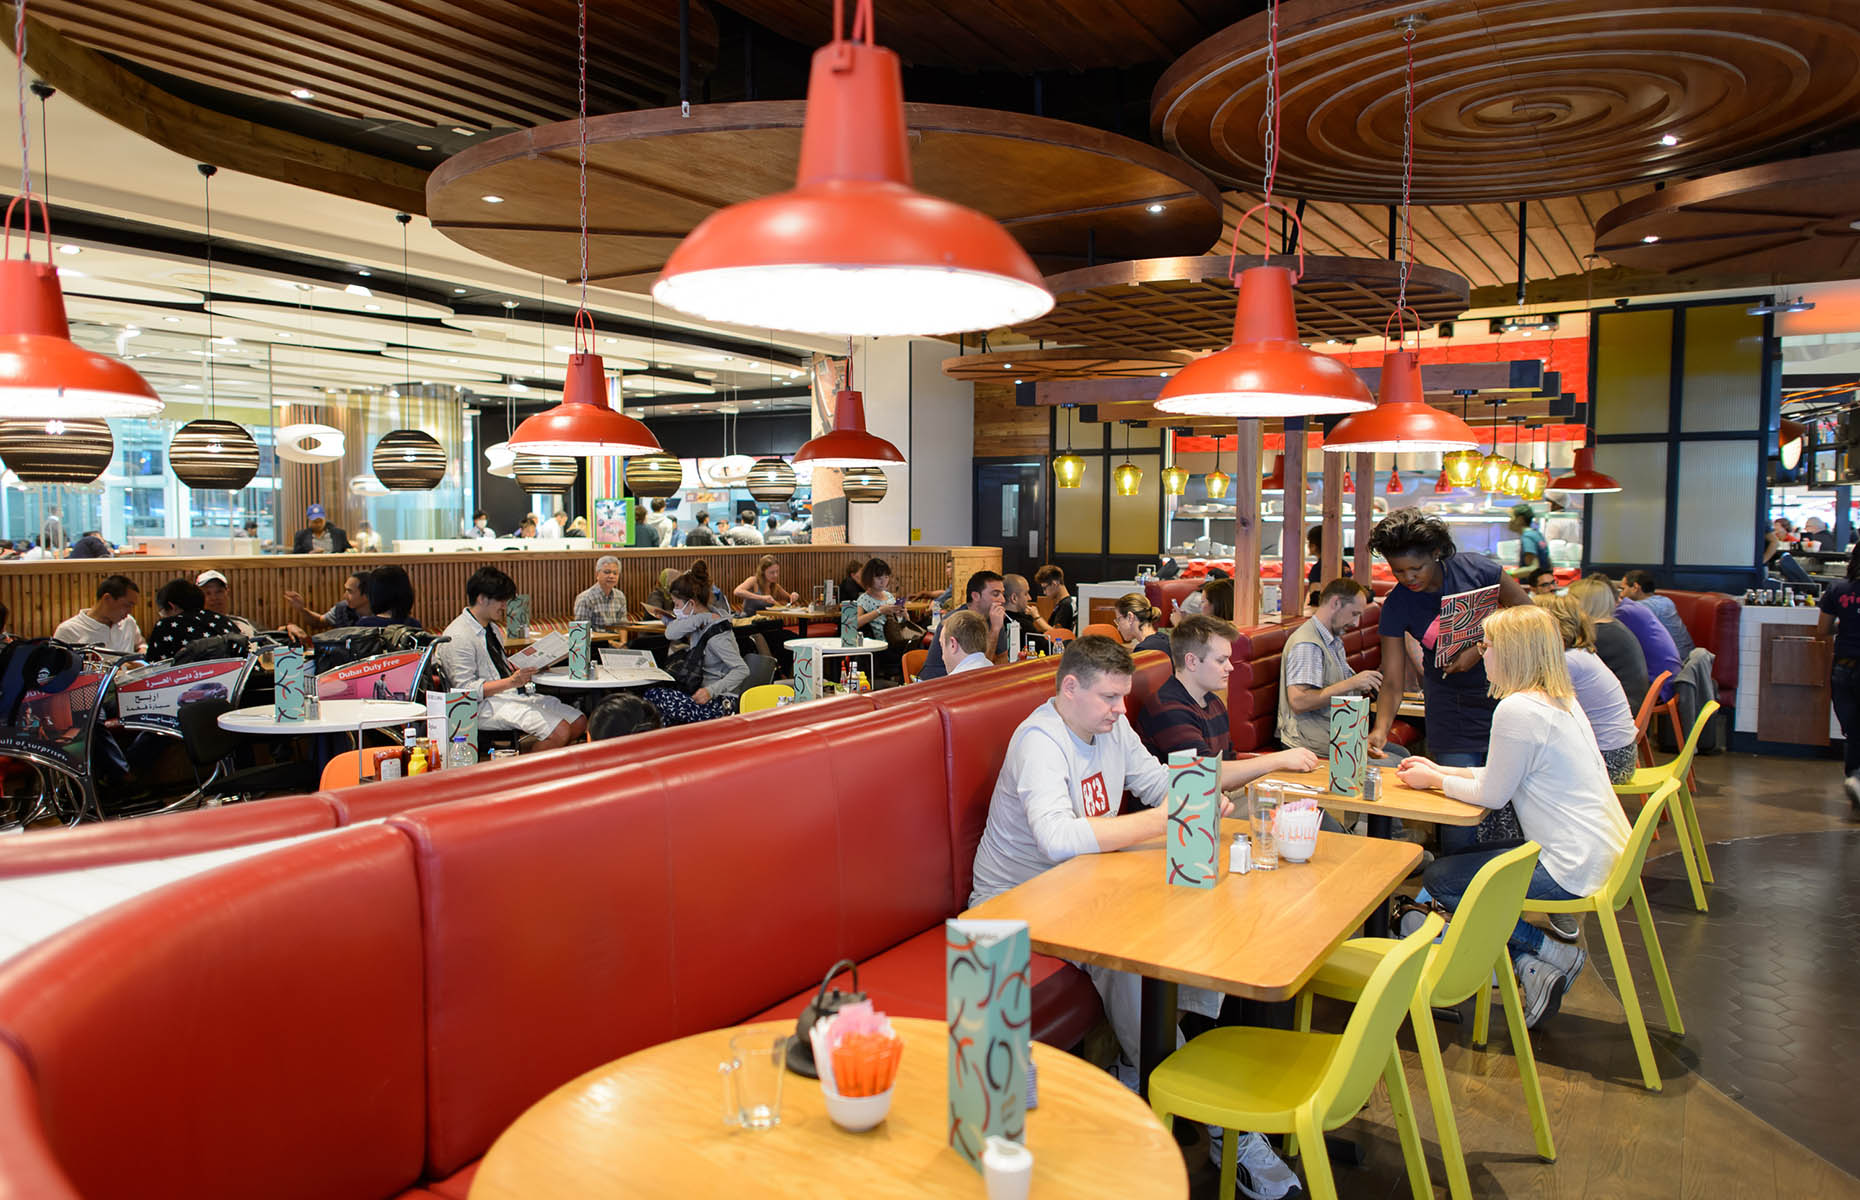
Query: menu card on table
517,615
1349,744
580,645
1194,819
448,714
550,649
1462,622
292,683
849,623
807,673
990,1009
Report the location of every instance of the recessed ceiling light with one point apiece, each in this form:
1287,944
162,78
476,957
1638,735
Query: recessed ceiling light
70,274
190,387
519,387
302,94
226,341
422,147
563,349
451,360
462,131
1156,208
458,291
372,307
492,199
1669,140
1651,238
285,336
1007,366
510,304
363,271
356,289
1017,382
172,320
68,248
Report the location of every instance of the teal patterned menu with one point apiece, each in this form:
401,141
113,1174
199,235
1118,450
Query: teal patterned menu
580,643
989,1000
462,713
517,616
1349,744
807,674
849,623
1194,836
291,683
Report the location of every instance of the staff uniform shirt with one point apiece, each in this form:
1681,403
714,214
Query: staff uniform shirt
86,630
1459,710
1532,542
1842,602
603,610
1051,783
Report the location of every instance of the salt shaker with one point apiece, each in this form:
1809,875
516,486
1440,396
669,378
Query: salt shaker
1240,855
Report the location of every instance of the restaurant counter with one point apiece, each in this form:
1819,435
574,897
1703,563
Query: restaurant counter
39,595
1784,700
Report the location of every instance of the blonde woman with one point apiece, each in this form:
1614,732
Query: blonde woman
1544,762
1615,644
1597,690
1136,621
764,588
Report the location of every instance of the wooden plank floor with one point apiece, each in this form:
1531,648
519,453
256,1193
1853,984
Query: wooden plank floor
1614,1138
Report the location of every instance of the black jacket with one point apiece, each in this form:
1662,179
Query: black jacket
338,540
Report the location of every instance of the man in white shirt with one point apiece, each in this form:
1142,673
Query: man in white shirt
963,642
744,532
109,623
475,655
554,527
481,526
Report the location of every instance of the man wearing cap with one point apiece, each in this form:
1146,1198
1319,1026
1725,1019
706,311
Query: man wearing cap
321,537
212,585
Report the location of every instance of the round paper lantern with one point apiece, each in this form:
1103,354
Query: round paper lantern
863,485
73,451
409,460
654,476
213,455
771,480
310,443
538,473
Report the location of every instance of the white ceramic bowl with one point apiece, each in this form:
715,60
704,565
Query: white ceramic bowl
856,1114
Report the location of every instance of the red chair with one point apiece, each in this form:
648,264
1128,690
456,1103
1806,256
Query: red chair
1648,705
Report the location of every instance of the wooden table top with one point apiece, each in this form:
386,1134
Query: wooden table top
1397,800
1261,935
650,1124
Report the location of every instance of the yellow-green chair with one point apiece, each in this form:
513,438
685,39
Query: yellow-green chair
1462,965
1685,817
1286,1081
767,696
1621,887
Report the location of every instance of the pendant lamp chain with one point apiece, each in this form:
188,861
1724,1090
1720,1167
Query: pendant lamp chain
207,172
25,147
581,146
406,322
1406,252
1272,119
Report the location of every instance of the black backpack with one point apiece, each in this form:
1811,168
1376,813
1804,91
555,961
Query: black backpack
34,664
686,663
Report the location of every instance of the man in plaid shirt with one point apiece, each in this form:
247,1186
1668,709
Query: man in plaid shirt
604,605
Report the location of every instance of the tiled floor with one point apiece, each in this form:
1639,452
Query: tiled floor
1788,886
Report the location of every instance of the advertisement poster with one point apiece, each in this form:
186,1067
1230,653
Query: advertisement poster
54,727
613,521
383,677
151,698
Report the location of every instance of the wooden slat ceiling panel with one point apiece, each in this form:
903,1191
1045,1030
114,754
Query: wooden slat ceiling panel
1017,35
472,63
1478,241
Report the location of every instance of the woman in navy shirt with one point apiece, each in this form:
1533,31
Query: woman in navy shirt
1840,616
1420,551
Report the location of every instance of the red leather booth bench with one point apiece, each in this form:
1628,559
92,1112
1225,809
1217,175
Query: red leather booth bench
361,1014
1712,618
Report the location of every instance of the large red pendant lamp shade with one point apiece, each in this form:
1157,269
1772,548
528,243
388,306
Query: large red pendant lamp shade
43,373
853,249
1402,422
1584,477
1267,371
583,425
847,444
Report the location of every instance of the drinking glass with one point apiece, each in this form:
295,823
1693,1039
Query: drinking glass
1263,800
752,1080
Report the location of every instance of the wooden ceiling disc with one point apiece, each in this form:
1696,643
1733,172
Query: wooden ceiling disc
1514,99
1073,362
1794,220
1164,304
1066,192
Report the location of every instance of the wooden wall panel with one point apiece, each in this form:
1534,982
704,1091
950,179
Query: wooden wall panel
1003,428
38,595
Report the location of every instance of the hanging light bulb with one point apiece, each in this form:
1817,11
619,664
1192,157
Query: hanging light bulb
74,452
853,249
1127,478
1174,481
1218,481
1492,467
1068,468
583,425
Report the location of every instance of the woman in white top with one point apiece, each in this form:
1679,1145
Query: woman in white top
1597,690
1543,759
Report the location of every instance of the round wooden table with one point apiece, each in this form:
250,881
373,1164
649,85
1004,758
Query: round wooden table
651,1124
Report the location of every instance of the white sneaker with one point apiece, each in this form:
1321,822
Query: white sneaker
1542,986
1567,926
1261,1173
1852,784
1565,958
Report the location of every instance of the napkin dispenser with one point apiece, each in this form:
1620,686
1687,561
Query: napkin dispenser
824,1004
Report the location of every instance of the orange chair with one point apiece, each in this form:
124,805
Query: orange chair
1643,718
344,770
914,664
1103,630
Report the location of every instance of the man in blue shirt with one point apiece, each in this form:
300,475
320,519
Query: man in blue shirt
1533,546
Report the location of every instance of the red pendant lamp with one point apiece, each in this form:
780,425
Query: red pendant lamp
1274,482
1584,477
1403,422
1349,485
1394,488
1443,486
43,373
583,425
853,249
847,445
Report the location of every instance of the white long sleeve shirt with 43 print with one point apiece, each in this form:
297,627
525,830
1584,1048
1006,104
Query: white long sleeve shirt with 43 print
1052,782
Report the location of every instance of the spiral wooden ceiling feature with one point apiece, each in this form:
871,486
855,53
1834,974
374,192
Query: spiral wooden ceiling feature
1514,99
1079,362
1794,220
476,63
1015,35
1188,303
1062,190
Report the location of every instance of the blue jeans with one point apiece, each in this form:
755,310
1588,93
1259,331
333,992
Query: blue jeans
1457,839
1449,876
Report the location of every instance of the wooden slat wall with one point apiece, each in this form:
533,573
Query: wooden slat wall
1004,428
38,595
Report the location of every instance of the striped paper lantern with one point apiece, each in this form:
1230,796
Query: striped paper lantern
73,451
409,460
212,455
863,485
771,480
653,476
537,473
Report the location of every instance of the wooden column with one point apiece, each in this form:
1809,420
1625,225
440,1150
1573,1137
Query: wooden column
1292,535
1330,554
1365,518
1248,539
